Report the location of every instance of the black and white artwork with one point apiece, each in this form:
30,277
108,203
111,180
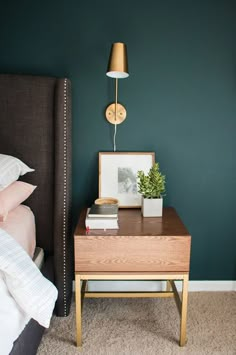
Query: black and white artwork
127,181
118,175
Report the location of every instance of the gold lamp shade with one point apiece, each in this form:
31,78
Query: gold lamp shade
118,65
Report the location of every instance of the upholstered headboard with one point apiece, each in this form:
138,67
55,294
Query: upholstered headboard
35,126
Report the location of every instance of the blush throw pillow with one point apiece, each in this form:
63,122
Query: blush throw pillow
10,170
12,196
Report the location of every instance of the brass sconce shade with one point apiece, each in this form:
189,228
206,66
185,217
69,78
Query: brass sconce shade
117,69
118,65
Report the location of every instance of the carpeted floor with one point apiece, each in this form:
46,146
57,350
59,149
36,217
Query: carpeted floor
147,327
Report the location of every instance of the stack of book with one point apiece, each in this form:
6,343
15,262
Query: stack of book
102,217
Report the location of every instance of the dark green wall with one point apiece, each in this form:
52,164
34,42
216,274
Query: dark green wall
180,99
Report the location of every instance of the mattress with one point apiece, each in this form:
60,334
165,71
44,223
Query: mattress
20,224
38,257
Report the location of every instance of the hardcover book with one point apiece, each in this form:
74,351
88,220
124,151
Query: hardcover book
103,211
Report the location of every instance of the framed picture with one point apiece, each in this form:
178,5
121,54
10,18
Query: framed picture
118,175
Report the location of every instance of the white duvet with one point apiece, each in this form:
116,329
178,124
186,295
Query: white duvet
24,292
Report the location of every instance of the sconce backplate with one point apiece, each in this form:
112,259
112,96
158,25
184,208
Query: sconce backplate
115,116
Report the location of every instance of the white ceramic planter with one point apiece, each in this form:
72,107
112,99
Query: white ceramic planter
152,207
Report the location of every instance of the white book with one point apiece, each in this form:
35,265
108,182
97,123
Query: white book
101,223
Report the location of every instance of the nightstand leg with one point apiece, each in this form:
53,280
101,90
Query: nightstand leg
78,310
183,319
168,286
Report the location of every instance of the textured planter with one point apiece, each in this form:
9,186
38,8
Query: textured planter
152,207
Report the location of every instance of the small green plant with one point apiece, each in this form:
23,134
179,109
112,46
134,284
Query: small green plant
151,185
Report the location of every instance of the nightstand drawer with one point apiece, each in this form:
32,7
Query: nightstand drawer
132,253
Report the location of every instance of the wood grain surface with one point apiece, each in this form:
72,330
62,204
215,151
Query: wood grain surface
140,244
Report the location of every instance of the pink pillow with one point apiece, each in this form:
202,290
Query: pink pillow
12,196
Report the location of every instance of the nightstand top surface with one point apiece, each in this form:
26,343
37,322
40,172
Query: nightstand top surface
131,223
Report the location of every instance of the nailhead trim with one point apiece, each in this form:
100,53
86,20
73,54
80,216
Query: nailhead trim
64,193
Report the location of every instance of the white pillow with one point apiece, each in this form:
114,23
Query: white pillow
10,170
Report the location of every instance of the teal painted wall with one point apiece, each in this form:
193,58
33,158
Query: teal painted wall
180,99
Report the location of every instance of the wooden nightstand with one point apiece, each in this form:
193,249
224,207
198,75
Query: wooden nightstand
141,249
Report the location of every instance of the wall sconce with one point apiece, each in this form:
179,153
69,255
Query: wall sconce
117,69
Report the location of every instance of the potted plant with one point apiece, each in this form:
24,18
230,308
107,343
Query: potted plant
152,189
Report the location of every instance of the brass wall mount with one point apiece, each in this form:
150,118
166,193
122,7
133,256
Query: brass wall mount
115,114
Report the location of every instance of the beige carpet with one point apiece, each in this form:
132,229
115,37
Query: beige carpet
147,326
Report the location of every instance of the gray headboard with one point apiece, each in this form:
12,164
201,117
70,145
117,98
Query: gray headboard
35,121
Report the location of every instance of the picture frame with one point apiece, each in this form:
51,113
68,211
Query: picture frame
118,175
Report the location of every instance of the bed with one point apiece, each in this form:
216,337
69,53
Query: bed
35,117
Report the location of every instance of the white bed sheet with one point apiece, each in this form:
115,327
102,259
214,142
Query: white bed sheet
13,314
12,318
